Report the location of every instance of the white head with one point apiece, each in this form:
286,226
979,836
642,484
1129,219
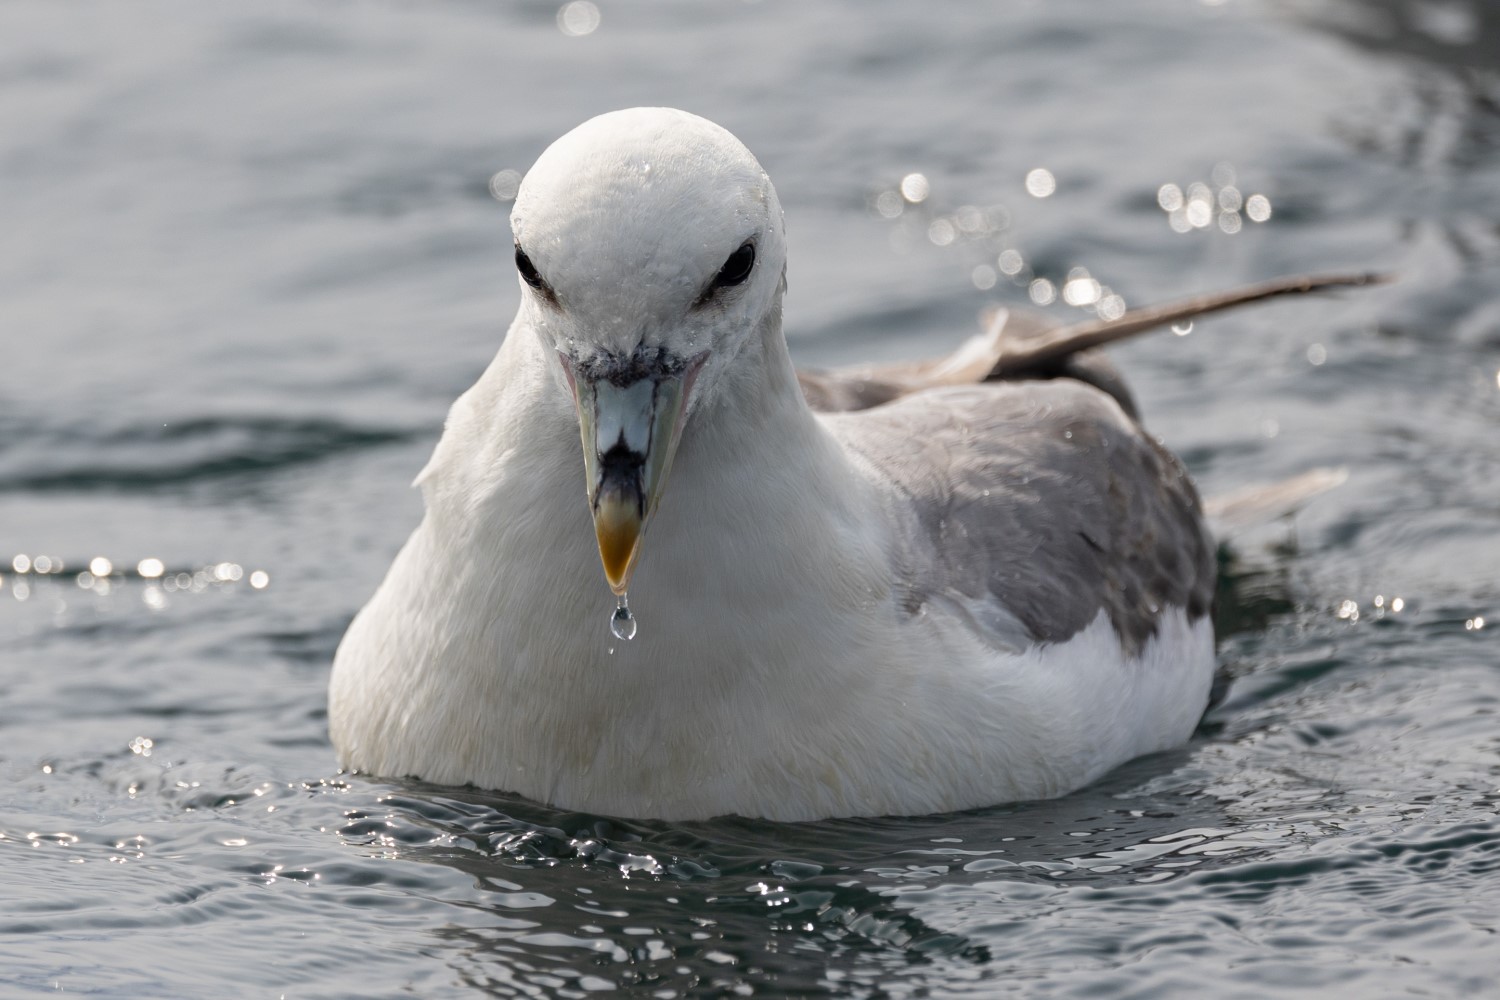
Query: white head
651,251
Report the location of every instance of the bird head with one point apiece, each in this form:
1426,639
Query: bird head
651,250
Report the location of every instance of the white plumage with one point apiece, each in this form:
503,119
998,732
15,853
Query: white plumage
813,639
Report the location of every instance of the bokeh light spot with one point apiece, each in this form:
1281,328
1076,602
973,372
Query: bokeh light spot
578,18
504,184
1080,289
889,204
1040,183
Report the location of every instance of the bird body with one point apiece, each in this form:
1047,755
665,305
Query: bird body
962,595
776,672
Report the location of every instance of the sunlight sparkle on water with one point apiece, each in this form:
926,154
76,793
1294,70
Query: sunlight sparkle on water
504,184
100,566
150,569
1199,213
971,220
915,188
578,18
1040,183
1080,289
890,204
1202,205
1042,291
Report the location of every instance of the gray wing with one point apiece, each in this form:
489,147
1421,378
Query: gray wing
1033,505
1034,498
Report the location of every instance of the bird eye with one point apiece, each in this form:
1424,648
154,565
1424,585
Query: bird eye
737,268
528,270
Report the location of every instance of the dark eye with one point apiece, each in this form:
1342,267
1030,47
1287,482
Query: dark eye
737,268
528,270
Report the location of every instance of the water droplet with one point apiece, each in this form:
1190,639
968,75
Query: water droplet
1182,329
622,622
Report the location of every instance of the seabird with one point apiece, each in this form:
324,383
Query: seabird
894,590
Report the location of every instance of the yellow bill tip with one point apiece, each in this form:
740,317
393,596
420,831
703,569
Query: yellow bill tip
618,527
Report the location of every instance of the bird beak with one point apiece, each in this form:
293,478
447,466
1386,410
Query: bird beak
630,433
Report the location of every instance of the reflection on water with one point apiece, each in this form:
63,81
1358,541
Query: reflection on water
1455,35
739,904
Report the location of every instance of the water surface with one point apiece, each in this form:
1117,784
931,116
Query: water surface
251,254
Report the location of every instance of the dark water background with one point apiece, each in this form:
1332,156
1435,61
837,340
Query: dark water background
249,254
